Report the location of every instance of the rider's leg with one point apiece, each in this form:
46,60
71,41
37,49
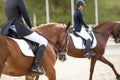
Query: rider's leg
84,34
88,39
87,49
35,37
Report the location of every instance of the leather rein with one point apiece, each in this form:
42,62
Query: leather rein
56,44
108,34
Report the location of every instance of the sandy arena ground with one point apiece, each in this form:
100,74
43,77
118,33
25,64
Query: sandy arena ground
78,68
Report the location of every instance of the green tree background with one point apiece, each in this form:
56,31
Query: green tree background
60,10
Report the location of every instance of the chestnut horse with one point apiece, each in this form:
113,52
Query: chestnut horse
102,33
14,63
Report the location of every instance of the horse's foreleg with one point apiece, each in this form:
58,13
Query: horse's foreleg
48,62
93,61
102,59
32,77
3,58
37,78
51,74
29,77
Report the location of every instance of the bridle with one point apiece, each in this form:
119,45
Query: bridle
119,30
64,49
108,34
118,35
61,52
101,33
57,48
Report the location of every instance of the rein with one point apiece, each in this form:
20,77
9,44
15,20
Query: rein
65,46
56,44
101,33
108,34
119,29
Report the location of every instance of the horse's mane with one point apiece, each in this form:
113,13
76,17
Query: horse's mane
105,22
49,25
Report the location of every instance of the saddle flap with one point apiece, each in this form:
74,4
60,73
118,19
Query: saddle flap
24,47
79,43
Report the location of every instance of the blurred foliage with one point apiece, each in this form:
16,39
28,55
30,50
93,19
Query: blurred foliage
60,10
109,10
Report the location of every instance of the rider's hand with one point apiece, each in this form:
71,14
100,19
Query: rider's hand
88,29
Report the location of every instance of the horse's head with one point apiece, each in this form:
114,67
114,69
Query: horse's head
116,32
109,28
57,35
62,42
63,37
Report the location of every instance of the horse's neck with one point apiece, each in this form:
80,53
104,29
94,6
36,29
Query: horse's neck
50,37
102,34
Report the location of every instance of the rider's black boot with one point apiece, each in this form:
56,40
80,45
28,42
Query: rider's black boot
35,67
88,50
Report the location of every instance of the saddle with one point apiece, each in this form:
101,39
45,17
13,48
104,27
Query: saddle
32,45
78,39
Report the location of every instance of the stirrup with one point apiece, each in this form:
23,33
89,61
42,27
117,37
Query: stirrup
37,71
88,55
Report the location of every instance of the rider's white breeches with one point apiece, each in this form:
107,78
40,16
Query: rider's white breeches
35,37
83,33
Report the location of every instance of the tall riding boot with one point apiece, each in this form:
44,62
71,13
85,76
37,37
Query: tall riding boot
35,67
88,50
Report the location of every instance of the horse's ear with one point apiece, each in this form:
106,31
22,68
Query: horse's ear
68,25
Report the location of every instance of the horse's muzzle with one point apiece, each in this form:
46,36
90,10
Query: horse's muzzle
62,57
117,40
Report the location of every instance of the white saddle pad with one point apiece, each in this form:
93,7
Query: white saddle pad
26,50
78,43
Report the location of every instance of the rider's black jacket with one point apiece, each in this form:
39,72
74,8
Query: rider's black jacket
78,21
16,9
